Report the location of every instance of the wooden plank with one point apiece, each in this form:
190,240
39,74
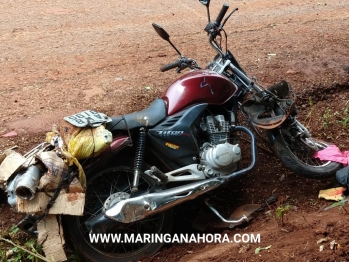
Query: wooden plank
51,238
66,203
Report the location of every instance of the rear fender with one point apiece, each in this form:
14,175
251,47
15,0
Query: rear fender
120,142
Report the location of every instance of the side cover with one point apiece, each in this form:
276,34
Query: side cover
174,139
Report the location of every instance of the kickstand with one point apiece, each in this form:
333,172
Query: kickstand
231,222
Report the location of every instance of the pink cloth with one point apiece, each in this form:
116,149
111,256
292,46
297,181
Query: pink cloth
333,153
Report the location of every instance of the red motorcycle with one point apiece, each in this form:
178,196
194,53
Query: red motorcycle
183,145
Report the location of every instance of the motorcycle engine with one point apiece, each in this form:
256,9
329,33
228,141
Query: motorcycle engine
218,157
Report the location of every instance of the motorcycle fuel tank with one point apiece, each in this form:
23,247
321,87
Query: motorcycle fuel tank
201,86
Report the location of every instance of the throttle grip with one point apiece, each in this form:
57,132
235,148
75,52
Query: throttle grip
221,14
170,66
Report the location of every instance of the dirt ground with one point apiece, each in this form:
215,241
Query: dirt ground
61,57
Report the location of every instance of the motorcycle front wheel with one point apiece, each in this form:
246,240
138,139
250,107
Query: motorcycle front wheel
105,189
297,154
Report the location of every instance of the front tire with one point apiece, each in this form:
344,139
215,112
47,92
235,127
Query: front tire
297,155
102,189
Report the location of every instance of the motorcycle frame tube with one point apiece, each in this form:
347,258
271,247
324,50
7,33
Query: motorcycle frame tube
134,209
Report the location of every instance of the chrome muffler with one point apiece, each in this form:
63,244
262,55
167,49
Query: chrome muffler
133,209
137,208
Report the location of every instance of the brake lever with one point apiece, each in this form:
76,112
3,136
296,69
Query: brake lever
226,19
179,69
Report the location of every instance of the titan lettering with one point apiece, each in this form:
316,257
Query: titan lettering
170,133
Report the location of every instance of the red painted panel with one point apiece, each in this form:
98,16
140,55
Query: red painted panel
201,86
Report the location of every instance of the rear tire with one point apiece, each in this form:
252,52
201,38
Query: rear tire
298,157
103,188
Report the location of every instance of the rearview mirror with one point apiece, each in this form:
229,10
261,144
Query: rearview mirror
161,32
205,2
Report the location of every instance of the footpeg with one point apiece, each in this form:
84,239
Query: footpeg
160,175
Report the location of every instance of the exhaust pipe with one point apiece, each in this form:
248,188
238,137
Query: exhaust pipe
24,185
134,209
10,190
28,183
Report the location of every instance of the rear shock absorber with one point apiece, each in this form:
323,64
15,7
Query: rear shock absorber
139,159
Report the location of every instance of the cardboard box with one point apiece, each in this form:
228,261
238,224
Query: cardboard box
51,238
11,161
66,203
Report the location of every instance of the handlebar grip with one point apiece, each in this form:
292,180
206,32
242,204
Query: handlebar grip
170,66
221,14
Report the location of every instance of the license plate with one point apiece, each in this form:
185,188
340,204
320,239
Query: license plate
87,118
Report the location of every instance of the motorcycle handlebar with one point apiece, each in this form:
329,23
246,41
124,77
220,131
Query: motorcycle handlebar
171,65
221,14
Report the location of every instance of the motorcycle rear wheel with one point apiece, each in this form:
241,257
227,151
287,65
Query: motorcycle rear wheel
103,188
297,156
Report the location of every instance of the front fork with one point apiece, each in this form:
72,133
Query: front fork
303,129
297,132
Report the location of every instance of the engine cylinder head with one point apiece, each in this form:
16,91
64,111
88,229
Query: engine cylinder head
218,129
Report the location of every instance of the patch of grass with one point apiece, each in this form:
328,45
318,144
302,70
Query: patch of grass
341,204
280,212
12,248
335,120
327,119
310,101
345,117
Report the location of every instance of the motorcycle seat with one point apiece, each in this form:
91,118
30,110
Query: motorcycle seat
146,118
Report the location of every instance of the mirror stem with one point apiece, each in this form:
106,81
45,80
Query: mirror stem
175,48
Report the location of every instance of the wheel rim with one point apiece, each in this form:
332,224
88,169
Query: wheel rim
303,149
99,189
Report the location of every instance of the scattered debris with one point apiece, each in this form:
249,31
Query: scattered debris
34,181
322,240
321,248
334,245
66,203
10,134
270,55
333,153
10,162
244,248
51,238
338,203
258,249
282,177
332,193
